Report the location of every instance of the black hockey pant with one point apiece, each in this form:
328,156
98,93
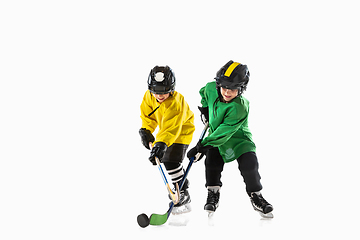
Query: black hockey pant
248,166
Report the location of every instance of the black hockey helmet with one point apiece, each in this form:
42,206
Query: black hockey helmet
161,80
233,75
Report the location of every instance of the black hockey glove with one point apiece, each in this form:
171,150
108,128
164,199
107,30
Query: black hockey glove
158,151
198,149
204,114
146,137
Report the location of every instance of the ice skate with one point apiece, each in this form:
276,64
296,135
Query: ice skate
212,202
183,206
261,205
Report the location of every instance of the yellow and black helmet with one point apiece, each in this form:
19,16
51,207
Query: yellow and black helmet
161,80
233,75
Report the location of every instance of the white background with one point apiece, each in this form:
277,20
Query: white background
73,74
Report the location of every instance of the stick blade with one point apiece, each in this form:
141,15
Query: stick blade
157,219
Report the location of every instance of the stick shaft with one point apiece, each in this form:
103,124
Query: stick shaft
202,135
157,219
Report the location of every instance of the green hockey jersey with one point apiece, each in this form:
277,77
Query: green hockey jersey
228,124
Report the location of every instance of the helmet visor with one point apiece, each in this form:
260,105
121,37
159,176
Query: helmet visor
228,85
159,89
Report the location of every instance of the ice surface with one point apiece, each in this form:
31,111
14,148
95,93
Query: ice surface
72,78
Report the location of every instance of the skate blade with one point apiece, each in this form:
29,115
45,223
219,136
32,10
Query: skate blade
266,215
210,213
182,209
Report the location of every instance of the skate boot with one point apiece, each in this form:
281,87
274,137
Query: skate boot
212,201
183,206
261,205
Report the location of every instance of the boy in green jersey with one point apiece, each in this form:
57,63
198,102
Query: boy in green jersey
229,138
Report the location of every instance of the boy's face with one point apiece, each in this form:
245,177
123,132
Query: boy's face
161,97
228,94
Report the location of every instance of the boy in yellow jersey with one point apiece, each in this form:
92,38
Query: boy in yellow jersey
167,109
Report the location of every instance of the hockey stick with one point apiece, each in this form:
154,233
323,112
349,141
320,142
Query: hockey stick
175,197
160,219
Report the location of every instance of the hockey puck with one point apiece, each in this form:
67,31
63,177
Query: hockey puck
143,220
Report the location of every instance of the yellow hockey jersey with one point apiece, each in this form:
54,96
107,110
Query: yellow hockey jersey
173,117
